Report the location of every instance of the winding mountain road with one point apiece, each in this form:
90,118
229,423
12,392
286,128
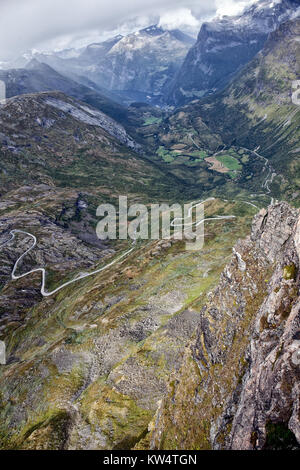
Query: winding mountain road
43,290
271,172
42,270
196,224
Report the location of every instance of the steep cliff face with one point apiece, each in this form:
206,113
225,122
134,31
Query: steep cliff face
224,45
238,387
269,403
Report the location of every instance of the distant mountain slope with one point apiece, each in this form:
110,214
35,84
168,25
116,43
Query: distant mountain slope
137,67
256,110
224,45
39,77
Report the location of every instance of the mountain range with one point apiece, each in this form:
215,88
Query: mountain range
147,345
226,44
254,112
135,67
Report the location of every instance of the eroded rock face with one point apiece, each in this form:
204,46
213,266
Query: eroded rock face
239,385
271,387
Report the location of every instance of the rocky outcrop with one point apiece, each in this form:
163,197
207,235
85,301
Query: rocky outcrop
269,403
239,385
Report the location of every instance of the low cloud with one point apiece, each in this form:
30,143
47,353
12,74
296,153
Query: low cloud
53,24
180,19
232,7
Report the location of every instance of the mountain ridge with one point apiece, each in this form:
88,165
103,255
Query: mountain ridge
140,63
39,77
226,44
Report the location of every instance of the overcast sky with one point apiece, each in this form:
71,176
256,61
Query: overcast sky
57,24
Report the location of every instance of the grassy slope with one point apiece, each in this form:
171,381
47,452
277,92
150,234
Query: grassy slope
107,346
67,153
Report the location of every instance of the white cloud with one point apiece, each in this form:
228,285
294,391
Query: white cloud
53,24
232,7
179,19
